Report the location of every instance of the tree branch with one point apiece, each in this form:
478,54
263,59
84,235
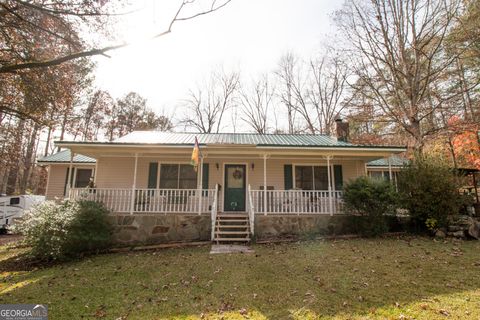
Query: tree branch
13,68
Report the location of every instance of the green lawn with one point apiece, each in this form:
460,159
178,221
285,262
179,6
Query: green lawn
351,279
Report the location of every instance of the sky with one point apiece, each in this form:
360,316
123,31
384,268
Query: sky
249,36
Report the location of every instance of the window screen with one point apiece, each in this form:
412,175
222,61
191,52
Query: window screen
177,176
169,176
311,177
304,177
188,177
83,177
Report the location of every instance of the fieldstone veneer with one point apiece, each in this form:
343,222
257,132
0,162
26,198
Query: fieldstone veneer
274,226
159,228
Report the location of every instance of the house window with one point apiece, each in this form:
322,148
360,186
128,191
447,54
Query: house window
311,177
83,177
177,176
80,176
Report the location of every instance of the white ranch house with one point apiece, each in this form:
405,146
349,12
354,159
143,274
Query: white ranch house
146,179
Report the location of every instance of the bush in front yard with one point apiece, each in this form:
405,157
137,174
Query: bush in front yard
371,199
62,231
429,189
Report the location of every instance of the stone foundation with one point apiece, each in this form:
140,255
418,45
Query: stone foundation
160,228
304,226
275,226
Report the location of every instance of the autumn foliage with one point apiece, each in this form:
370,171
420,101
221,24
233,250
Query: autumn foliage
465,143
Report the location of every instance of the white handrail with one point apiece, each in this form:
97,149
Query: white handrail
214,211
251,211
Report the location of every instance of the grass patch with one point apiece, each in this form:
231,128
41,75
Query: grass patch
349,279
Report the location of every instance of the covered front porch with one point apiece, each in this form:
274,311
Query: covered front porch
274,183
242,182
162,181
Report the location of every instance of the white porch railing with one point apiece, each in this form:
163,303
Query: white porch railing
296,201
149,200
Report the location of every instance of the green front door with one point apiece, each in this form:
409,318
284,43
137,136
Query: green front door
235,187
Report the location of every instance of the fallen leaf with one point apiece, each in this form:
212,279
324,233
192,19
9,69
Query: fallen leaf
444,312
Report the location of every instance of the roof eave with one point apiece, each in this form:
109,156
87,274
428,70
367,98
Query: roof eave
393,149
65,162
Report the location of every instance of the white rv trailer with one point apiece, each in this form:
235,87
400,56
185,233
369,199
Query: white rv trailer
13,207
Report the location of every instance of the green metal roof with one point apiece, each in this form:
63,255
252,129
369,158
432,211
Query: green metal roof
64,157
394,160
259,140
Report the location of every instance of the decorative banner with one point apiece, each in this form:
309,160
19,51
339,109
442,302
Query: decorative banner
195,155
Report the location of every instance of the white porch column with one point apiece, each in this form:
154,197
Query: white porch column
74,182
265,184
69,179
95,173
134,185
200,186
330,194
390,169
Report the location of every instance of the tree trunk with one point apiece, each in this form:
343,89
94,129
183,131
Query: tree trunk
416,133
15,159
62,129
29,159
47,144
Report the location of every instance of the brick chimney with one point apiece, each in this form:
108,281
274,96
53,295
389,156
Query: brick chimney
343,130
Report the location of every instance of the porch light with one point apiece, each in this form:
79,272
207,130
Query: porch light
253,166
217,165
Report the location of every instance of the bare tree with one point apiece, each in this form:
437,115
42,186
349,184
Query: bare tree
290,91
256,104
326,90
206,105
398,50
313,91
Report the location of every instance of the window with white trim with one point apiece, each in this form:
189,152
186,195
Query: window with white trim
311,177
177,176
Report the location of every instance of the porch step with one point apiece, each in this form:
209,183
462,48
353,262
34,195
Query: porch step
232,226
233,232
232,214
231,239
231,220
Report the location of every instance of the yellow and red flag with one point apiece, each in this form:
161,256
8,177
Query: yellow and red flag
195,155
